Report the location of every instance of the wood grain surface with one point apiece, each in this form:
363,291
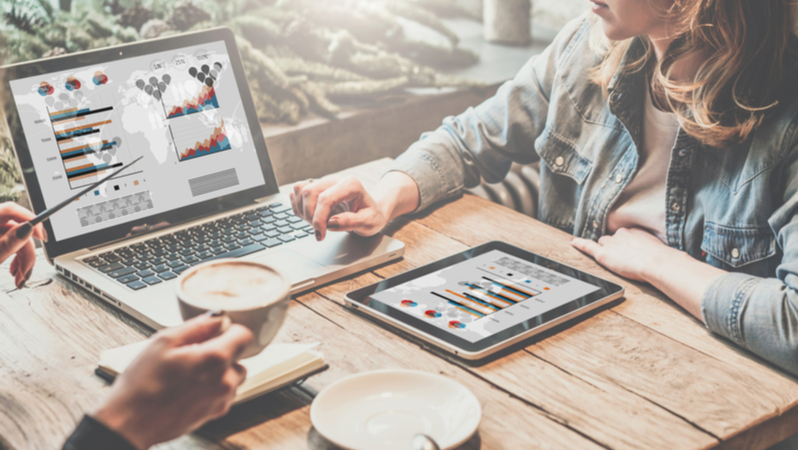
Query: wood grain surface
640,373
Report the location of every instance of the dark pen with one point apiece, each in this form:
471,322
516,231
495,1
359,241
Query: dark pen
27,228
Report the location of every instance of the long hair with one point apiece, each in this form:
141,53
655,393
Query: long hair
743,44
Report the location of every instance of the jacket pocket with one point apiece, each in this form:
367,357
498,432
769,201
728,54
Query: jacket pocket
736,246
562,157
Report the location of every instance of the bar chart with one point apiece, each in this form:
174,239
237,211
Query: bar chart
486,296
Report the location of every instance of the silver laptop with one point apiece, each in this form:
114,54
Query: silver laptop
204,190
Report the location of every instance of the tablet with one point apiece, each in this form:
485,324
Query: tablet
484,299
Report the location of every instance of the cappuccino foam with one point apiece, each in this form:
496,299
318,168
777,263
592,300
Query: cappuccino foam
233,285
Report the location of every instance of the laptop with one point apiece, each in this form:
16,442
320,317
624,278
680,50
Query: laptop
204,190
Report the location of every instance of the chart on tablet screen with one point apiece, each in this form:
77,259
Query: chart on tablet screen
484,295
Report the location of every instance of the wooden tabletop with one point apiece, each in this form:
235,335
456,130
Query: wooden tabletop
639,374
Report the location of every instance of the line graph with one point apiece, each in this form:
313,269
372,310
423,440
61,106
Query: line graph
200,135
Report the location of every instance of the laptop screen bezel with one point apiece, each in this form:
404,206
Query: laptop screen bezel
141,225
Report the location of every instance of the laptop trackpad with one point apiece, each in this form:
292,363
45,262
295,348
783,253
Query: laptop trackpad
294,265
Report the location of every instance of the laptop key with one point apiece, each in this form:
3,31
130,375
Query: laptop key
232,246
265,213
294,219
205,254
218,250
281,209
127,278
136,285
275,205
112,258
245,241
246,250
285,230
121,272
272,234
95,262
271,243
160,268
268,219
300,235
158,261
142,265
175,263
109,267
286,238
167,275
145,273
281,223
180,269
298,226
186,251
258,237
129,261
191,259
151,280
172,256
281,216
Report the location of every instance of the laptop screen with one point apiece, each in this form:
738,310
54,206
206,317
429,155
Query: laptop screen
180,109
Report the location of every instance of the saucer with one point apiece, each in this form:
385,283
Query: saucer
386,408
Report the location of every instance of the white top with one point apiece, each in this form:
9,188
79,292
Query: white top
642,203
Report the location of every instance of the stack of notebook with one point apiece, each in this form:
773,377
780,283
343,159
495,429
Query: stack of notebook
279,365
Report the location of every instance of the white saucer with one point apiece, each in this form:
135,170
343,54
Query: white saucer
385,409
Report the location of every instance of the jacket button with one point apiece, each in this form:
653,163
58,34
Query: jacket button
735,253
618,178
560,161
681,152
595,224
676,206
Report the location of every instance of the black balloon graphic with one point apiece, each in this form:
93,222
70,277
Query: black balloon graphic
218,66
148,89
154,81
192,71
201,77
140,84
166,78
204,68
162,87
209,82
157,95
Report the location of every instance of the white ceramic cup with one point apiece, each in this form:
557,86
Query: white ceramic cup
263,313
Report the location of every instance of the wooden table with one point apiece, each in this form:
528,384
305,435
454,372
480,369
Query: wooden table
640,374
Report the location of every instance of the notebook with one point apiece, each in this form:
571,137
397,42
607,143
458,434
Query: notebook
279,365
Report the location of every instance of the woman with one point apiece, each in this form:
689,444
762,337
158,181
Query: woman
667,132
185,377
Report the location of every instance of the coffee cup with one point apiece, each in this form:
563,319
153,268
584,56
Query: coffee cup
252,294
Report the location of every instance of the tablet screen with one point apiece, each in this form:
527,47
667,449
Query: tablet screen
484,295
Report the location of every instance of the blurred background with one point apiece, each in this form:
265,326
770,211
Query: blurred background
336,82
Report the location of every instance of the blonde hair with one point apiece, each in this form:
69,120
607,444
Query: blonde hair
744,44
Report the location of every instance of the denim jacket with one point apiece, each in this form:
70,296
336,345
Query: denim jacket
734,208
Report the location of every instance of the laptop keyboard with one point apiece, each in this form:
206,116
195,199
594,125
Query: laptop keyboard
163,258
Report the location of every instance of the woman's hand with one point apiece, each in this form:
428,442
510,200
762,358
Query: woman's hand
11,216
629,252
185,377
318,203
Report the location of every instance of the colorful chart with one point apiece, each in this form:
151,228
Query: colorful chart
432,314
206,99
99,78
217,142
45,89
72,84
486,296
408,303
455,324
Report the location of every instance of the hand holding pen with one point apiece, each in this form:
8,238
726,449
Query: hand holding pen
18,225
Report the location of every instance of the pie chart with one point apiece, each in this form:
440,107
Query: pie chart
455,324
408,303
432,314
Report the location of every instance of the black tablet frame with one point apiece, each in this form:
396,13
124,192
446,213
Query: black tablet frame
364,296
54,248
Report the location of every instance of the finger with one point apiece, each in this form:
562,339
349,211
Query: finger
10,243
15,212
297,195
13,268
343,191
604,240
241,371
196,330
587,246
226,347
359,222
26,257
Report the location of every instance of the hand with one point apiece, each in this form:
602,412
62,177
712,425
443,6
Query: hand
185,377
315,202
630,252
11,216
